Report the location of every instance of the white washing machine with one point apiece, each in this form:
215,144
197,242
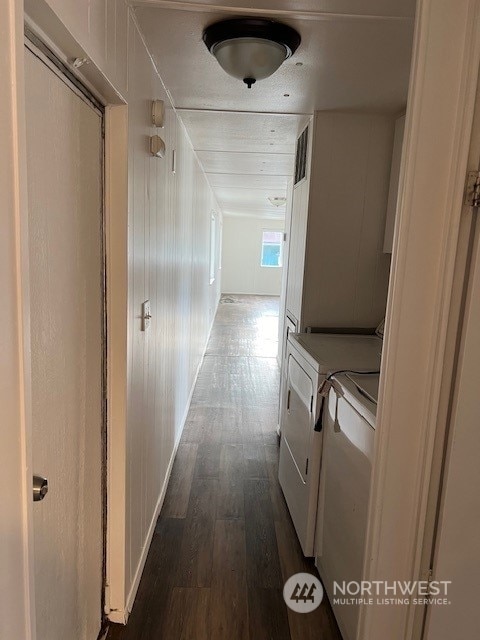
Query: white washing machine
310,358
348,444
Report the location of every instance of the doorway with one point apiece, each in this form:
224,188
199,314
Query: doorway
224,543
65,193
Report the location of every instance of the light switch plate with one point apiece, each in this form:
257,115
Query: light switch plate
146,315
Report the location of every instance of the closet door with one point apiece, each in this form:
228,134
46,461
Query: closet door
64,142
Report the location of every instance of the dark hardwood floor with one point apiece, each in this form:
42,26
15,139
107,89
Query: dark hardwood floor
224,543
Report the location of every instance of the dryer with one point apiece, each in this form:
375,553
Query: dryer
310,358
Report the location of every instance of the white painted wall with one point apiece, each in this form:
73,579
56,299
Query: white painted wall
241,256
159,249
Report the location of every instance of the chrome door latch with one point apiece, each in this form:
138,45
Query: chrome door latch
146,315
40,488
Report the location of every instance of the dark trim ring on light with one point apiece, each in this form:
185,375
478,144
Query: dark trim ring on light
259,28
252,28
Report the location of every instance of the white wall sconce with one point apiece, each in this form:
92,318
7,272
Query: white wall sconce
157,147
158,113
278,201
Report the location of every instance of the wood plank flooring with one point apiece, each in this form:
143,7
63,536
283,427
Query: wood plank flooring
224,543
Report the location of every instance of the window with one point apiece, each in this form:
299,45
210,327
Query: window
213,247
271,249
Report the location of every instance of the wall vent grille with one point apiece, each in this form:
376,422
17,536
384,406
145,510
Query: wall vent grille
301,156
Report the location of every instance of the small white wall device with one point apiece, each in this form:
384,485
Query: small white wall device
157,147
158,113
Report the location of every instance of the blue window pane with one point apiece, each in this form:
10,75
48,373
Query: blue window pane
271,255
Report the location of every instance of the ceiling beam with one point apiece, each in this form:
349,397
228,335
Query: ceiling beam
252,153
261,189
232,173
181,5
244,113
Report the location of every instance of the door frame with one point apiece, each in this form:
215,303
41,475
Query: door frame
35,46
461,283
17,609
48,26
17,604
432,182
415,359
453,543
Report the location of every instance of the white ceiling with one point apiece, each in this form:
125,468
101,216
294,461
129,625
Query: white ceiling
355,55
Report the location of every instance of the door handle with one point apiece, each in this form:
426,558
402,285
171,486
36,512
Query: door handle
40,488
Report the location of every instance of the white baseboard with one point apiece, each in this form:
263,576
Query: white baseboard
121,616
117,616
151,529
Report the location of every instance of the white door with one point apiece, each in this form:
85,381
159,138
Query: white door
457,557
64,150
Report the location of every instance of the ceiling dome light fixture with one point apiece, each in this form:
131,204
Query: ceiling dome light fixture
251,49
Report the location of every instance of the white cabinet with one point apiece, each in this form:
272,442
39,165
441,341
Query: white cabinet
394,184
337,271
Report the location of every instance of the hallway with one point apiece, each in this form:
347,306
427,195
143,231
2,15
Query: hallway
224,543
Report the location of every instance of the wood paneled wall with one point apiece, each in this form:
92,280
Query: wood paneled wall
167,230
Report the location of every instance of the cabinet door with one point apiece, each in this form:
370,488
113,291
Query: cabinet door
296,262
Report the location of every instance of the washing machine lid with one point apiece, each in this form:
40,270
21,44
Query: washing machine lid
366,384
361,392
329,352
